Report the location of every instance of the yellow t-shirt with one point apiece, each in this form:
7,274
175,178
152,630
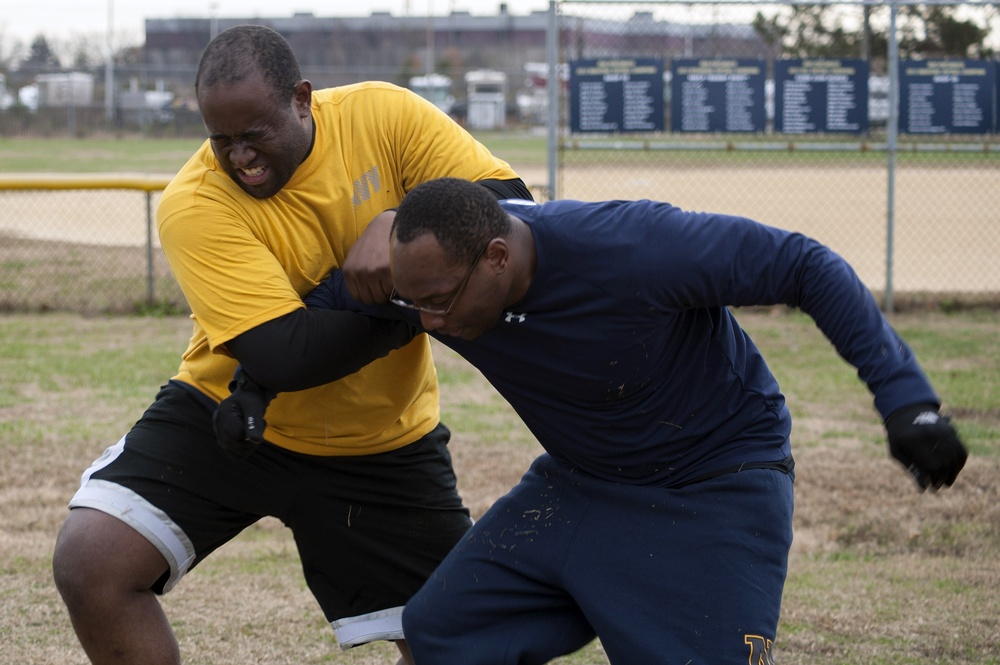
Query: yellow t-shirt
243,261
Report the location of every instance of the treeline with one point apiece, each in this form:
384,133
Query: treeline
838,31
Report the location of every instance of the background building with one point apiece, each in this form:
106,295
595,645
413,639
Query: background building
336,51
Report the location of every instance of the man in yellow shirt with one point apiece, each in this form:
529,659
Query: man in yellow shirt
291,184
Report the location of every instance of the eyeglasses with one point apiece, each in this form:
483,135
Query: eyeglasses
395,299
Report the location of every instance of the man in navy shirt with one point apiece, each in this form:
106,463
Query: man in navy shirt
659,517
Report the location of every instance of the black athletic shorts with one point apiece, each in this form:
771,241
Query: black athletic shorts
369,529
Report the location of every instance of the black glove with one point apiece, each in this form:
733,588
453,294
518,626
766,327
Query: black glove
239,420
926,444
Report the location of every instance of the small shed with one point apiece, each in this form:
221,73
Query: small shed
487,99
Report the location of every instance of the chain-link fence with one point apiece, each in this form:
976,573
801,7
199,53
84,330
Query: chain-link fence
710,115
83,244
809,144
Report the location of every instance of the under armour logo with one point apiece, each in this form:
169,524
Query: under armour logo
511,317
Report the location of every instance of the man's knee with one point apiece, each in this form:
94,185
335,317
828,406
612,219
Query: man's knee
73,564
95,551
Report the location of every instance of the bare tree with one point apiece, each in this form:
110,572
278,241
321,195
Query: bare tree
805,31
808,31
12,51
85,51
935,31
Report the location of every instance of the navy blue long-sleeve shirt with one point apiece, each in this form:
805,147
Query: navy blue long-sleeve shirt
623,358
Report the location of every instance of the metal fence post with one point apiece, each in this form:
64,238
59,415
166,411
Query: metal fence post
892,130
150,277
552,90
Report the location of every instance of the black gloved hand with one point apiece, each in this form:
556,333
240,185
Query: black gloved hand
239,420
926,444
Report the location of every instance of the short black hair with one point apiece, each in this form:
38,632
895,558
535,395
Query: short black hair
243,51
462,215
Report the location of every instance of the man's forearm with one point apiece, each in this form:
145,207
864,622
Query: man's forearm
309,348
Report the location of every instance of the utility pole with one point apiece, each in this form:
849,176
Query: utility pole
109,67
213,20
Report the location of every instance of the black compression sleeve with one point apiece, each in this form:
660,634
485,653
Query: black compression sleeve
507,189
311,347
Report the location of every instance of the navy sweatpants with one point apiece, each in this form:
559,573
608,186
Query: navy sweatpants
689,575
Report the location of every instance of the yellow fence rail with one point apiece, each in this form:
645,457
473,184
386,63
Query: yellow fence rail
84,243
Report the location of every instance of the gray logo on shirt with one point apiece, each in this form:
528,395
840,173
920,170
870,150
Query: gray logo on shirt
368,184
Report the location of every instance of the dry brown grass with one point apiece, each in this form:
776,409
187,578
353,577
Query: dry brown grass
879,573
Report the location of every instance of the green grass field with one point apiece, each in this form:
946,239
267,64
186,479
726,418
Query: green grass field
522,149
31,155
879,574
166,156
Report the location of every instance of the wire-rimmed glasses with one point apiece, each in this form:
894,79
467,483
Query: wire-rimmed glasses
399,301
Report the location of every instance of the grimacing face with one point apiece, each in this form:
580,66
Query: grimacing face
259,143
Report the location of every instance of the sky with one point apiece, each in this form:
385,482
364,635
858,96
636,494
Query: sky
64,19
